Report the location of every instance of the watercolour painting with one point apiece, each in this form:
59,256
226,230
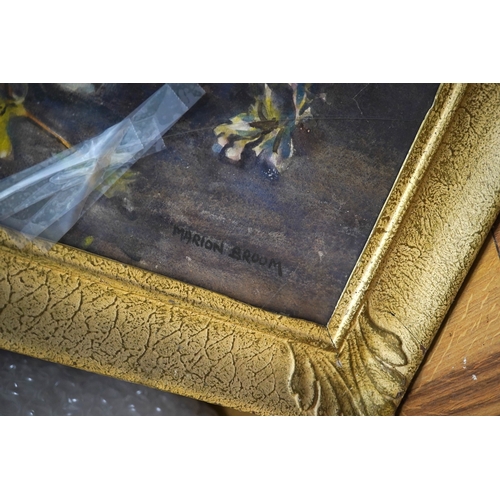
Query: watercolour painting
292,249
264,193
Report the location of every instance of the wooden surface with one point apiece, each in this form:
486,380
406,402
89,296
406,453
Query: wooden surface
461,373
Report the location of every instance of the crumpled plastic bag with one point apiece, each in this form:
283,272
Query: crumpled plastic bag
46,200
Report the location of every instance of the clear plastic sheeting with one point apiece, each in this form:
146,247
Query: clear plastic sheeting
47,199
30,386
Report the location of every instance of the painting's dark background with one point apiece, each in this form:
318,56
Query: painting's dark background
314,217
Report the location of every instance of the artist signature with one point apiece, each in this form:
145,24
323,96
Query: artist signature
234,252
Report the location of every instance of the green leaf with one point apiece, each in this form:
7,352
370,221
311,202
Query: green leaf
8,109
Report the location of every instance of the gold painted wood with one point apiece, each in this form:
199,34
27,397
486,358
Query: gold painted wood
99,315
461,373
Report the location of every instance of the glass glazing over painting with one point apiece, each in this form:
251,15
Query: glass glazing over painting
265,193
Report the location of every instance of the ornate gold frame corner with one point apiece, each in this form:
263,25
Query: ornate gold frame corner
86,311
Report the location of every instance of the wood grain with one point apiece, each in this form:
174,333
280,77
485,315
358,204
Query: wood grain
461,374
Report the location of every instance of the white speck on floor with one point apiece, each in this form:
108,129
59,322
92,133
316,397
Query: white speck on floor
474,377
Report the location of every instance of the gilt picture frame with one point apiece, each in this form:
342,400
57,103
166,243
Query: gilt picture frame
96,314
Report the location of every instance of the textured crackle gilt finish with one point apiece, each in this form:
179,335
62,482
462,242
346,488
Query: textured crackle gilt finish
82,310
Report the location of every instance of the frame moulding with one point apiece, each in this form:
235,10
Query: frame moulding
82,310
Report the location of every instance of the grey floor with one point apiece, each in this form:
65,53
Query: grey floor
30,386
